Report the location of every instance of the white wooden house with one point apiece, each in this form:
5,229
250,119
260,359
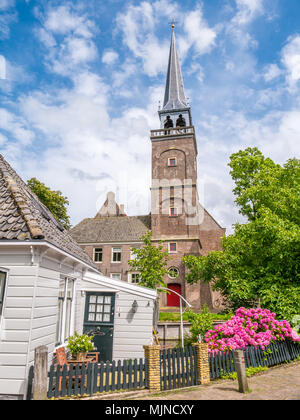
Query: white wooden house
49,288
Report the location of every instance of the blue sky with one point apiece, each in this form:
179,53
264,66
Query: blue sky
80,84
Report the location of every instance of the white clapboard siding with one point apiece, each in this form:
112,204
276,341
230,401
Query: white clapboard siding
131,330
16,320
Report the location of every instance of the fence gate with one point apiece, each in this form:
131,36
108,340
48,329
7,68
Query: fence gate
178,368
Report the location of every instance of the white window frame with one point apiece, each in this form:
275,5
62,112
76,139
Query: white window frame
116,274
112,255
169,247
61,334
176,211
169,160
130,277
132,256
94,256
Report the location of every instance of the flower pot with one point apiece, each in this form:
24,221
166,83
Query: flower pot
81,356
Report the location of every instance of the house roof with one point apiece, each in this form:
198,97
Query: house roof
23,217
119,285
111,229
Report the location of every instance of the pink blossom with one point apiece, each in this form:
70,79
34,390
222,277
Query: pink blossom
249,327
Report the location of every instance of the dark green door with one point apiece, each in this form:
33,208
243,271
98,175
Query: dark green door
99,322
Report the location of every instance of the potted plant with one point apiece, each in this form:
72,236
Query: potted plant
80,345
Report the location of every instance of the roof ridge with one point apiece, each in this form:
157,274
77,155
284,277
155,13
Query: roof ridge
24,210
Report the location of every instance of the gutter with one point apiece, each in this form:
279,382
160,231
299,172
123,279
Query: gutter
31,243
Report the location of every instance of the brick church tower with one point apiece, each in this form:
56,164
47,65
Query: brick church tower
176,214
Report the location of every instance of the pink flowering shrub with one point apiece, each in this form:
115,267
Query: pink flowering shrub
249,327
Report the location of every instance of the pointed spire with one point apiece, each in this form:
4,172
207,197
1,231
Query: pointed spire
174,94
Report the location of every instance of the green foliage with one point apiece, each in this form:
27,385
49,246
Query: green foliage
250,371
151,262
295,323
200,323
260,261
175,316
80,343
53,200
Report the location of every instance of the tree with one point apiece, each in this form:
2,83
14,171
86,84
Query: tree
260,260
151,262
53,200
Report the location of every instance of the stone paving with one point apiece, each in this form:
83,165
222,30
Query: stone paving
280,383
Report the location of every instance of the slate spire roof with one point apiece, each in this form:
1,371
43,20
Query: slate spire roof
174,93
23,217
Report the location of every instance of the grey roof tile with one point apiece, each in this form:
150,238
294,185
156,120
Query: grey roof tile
111,229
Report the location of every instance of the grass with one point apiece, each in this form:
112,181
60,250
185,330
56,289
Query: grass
175,317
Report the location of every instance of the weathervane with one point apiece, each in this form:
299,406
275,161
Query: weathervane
173,23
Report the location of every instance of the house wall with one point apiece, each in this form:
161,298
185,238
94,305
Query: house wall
16,319
29,314
131,330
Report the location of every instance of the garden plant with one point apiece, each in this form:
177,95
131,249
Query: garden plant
249,327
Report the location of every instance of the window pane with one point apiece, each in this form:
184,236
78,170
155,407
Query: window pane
93,299
98,254
99,308
91,317
92,308
99,317
62,288
117,254
70,289
107,299
100,299
68,319
107,308
2,289
106,317
116,276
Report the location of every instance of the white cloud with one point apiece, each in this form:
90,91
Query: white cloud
138,26
271,72
197,33
16,127
2,67
291,60
110,57
247,11
62,20
67,35
6,4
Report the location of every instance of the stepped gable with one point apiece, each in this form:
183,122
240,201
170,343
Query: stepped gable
23,216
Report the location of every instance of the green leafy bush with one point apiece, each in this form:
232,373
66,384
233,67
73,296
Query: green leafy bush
80,343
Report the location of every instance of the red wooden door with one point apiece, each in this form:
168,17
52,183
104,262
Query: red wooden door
172,298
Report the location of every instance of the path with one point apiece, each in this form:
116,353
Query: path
281,383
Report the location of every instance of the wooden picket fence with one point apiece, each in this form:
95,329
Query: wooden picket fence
77,380
178,368
222,363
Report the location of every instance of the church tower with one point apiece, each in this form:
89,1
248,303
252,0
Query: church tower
176,215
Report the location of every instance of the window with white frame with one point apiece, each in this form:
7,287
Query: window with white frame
173,212
65,309
116,276
98,254
132,255
116,254
172,161
172,247
134,278
2,289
